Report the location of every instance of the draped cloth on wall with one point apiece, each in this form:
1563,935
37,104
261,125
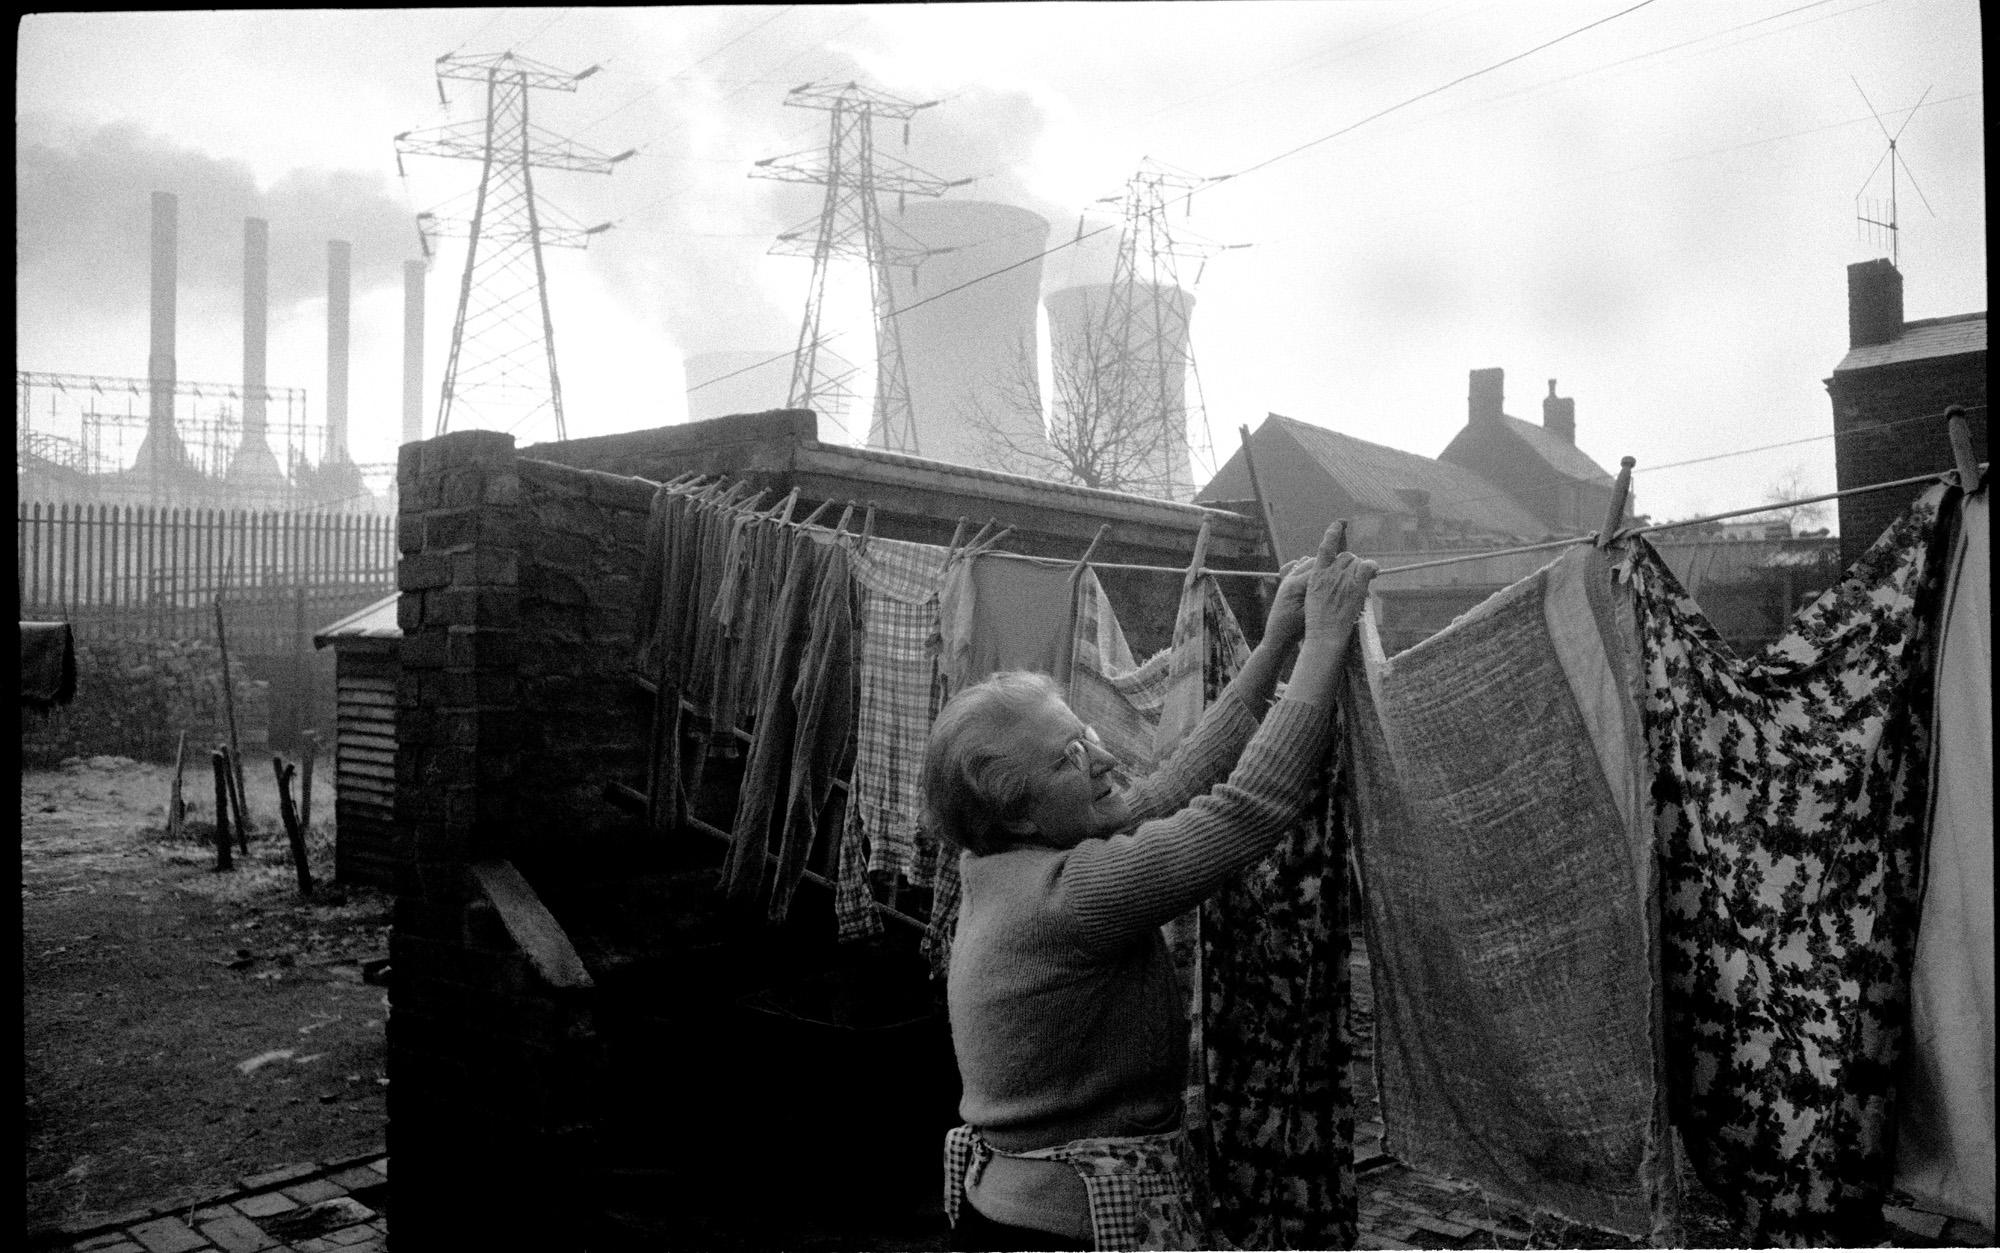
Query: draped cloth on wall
1789,791
1944,1121
1507,867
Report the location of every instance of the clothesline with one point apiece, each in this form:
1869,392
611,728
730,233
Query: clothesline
1461,558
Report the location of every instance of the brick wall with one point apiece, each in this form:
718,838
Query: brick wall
1878,441
492,1070
583,720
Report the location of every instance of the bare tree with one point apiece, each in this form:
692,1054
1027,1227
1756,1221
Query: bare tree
1790,486
1106,427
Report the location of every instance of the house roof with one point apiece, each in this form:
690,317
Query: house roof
1562,456
373,622
1922,340
1372,474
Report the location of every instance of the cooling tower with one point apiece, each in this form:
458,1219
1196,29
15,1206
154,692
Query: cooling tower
339,254
413,351
1148,351
161,454
253,471
963,352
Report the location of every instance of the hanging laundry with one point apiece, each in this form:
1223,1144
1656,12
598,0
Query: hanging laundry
1014,615
763,802
1268,979
1121,698
1944,1101
884,836
1789,792
1507,869
823,699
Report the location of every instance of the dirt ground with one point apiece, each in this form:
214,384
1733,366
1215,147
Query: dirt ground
184,1027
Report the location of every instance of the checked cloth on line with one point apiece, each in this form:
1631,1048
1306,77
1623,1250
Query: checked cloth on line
1143,1190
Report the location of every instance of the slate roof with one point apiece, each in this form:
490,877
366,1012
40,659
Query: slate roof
1922,340
1372,474
1562,456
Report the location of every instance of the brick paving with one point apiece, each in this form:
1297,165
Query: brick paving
307,1207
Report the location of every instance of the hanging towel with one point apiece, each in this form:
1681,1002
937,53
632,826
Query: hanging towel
1789,796
48,664
1944,1117
1506,866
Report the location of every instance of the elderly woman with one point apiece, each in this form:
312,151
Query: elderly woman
1066,1014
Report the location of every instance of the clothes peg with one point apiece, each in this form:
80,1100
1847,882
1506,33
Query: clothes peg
1961,448
813,517
750,505
845,515
782,511
868,525
1619,492
1200,556
957,534
1084,560
986,545
978,538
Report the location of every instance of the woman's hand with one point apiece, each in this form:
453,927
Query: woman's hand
1286,623
1334,595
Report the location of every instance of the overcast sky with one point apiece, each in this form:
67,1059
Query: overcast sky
1657,211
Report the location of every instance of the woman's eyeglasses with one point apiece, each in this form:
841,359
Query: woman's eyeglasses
1077,752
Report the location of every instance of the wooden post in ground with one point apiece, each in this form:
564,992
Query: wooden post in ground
220,761
311,741
293,832
236,805
229,708
176,810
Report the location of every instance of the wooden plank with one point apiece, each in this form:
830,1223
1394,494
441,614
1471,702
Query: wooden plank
530,923
350,767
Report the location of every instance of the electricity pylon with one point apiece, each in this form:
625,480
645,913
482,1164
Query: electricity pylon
850,225
504,337
1144,325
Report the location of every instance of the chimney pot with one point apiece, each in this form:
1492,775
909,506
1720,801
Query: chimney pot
1559,415
1874,302
1487,395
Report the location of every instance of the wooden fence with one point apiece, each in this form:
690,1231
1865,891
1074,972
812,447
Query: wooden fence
156,572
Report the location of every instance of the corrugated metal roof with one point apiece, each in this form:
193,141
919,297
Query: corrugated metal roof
1372,474
374,622
1562,456
1920,341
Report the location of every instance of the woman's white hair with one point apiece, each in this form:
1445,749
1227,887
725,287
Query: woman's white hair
972,785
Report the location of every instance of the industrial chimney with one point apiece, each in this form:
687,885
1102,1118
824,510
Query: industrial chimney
162,458
338,254
964,347
413,351
253,471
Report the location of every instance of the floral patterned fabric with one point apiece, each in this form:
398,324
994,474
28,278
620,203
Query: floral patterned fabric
1789,796
1269,1035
